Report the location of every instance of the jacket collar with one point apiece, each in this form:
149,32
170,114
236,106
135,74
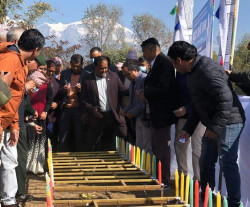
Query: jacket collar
4,48
197,59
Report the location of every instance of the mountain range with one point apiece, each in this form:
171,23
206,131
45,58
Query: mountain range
73,32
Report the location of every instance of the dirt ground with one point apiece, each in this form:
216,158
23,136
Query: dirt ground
37,185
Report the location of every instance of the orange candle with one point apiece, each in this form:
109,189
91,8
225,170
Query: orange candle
206,196
196,194
132,154
159,172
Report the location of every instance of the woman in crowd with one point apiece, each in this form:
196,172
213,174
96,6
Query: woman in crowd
41,100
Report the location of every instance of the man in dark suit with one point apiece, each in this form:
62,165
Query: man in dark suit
71,114
100,101
160,96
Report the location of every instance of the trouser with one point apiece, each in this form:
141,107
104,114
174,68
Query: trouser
71,130
102,137
161,149
52,133
22,152
181,148
143,136
8,180
226,147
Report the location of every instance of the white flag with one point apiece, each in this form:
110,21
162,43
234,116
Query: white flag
226,27
184,21
223,26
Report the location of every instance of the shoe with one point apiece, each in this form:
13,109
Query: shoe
166,187
24,198
12,205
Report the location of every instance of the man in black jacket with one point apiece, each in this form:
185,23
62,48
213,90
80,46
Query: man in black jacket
160,96
217,106
241,78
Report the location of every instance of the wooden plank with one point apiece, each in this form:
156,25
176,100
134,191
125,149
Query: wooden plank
107,188
78,165
103,181
80,153
118,202
101,177
95,170
99,162
135,172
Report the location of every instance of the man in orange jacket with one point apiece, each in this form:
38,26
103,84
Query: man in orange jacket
12,59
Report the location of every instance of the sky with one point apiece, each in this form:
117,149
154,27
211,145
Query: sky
73,10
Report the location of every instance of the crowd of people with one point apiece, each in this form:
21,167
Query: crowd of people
84,107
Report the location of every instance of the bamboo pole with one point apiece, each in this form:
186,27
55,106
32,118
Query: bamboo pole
90,167
92,163
103,181
101,177
102,169
88,160
136,172
128,201
107,188
83,153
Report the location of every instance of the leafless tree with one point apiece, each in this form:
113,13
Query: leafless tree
146,26
102,26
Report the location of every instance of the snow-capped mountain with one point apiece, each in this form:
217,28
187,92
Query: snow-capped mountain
73,32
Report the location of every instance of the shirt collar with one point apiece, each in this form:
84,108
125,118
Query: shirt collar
97,78
152,63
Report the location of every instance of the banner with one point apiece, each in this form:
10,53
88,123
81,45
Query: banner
227,14
203,30
183,20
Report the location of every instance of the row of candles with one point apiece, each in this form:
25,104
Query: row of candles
49,177
147,162
142,159
192,192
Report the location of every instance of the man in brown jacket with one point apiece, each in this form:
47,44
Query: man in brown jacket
12,59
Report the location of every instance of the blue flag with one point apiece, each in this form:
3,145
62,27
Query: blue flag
177,26
217,13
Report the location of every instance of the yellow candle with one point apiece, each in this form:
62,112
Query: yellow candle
148,164
182,186
49,166
138,156
187,189
176,183
218,199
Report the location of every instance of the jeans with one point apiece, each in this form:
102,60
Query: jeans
226,147
8,180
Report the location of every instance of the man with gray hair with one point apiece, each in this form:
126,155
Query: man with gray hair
134,110
14,34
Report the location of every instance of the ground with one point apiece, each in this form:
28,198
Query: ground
36,187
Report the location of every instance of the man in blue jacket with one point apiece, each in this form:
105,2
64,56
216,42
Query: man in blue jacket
217,106
135,108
